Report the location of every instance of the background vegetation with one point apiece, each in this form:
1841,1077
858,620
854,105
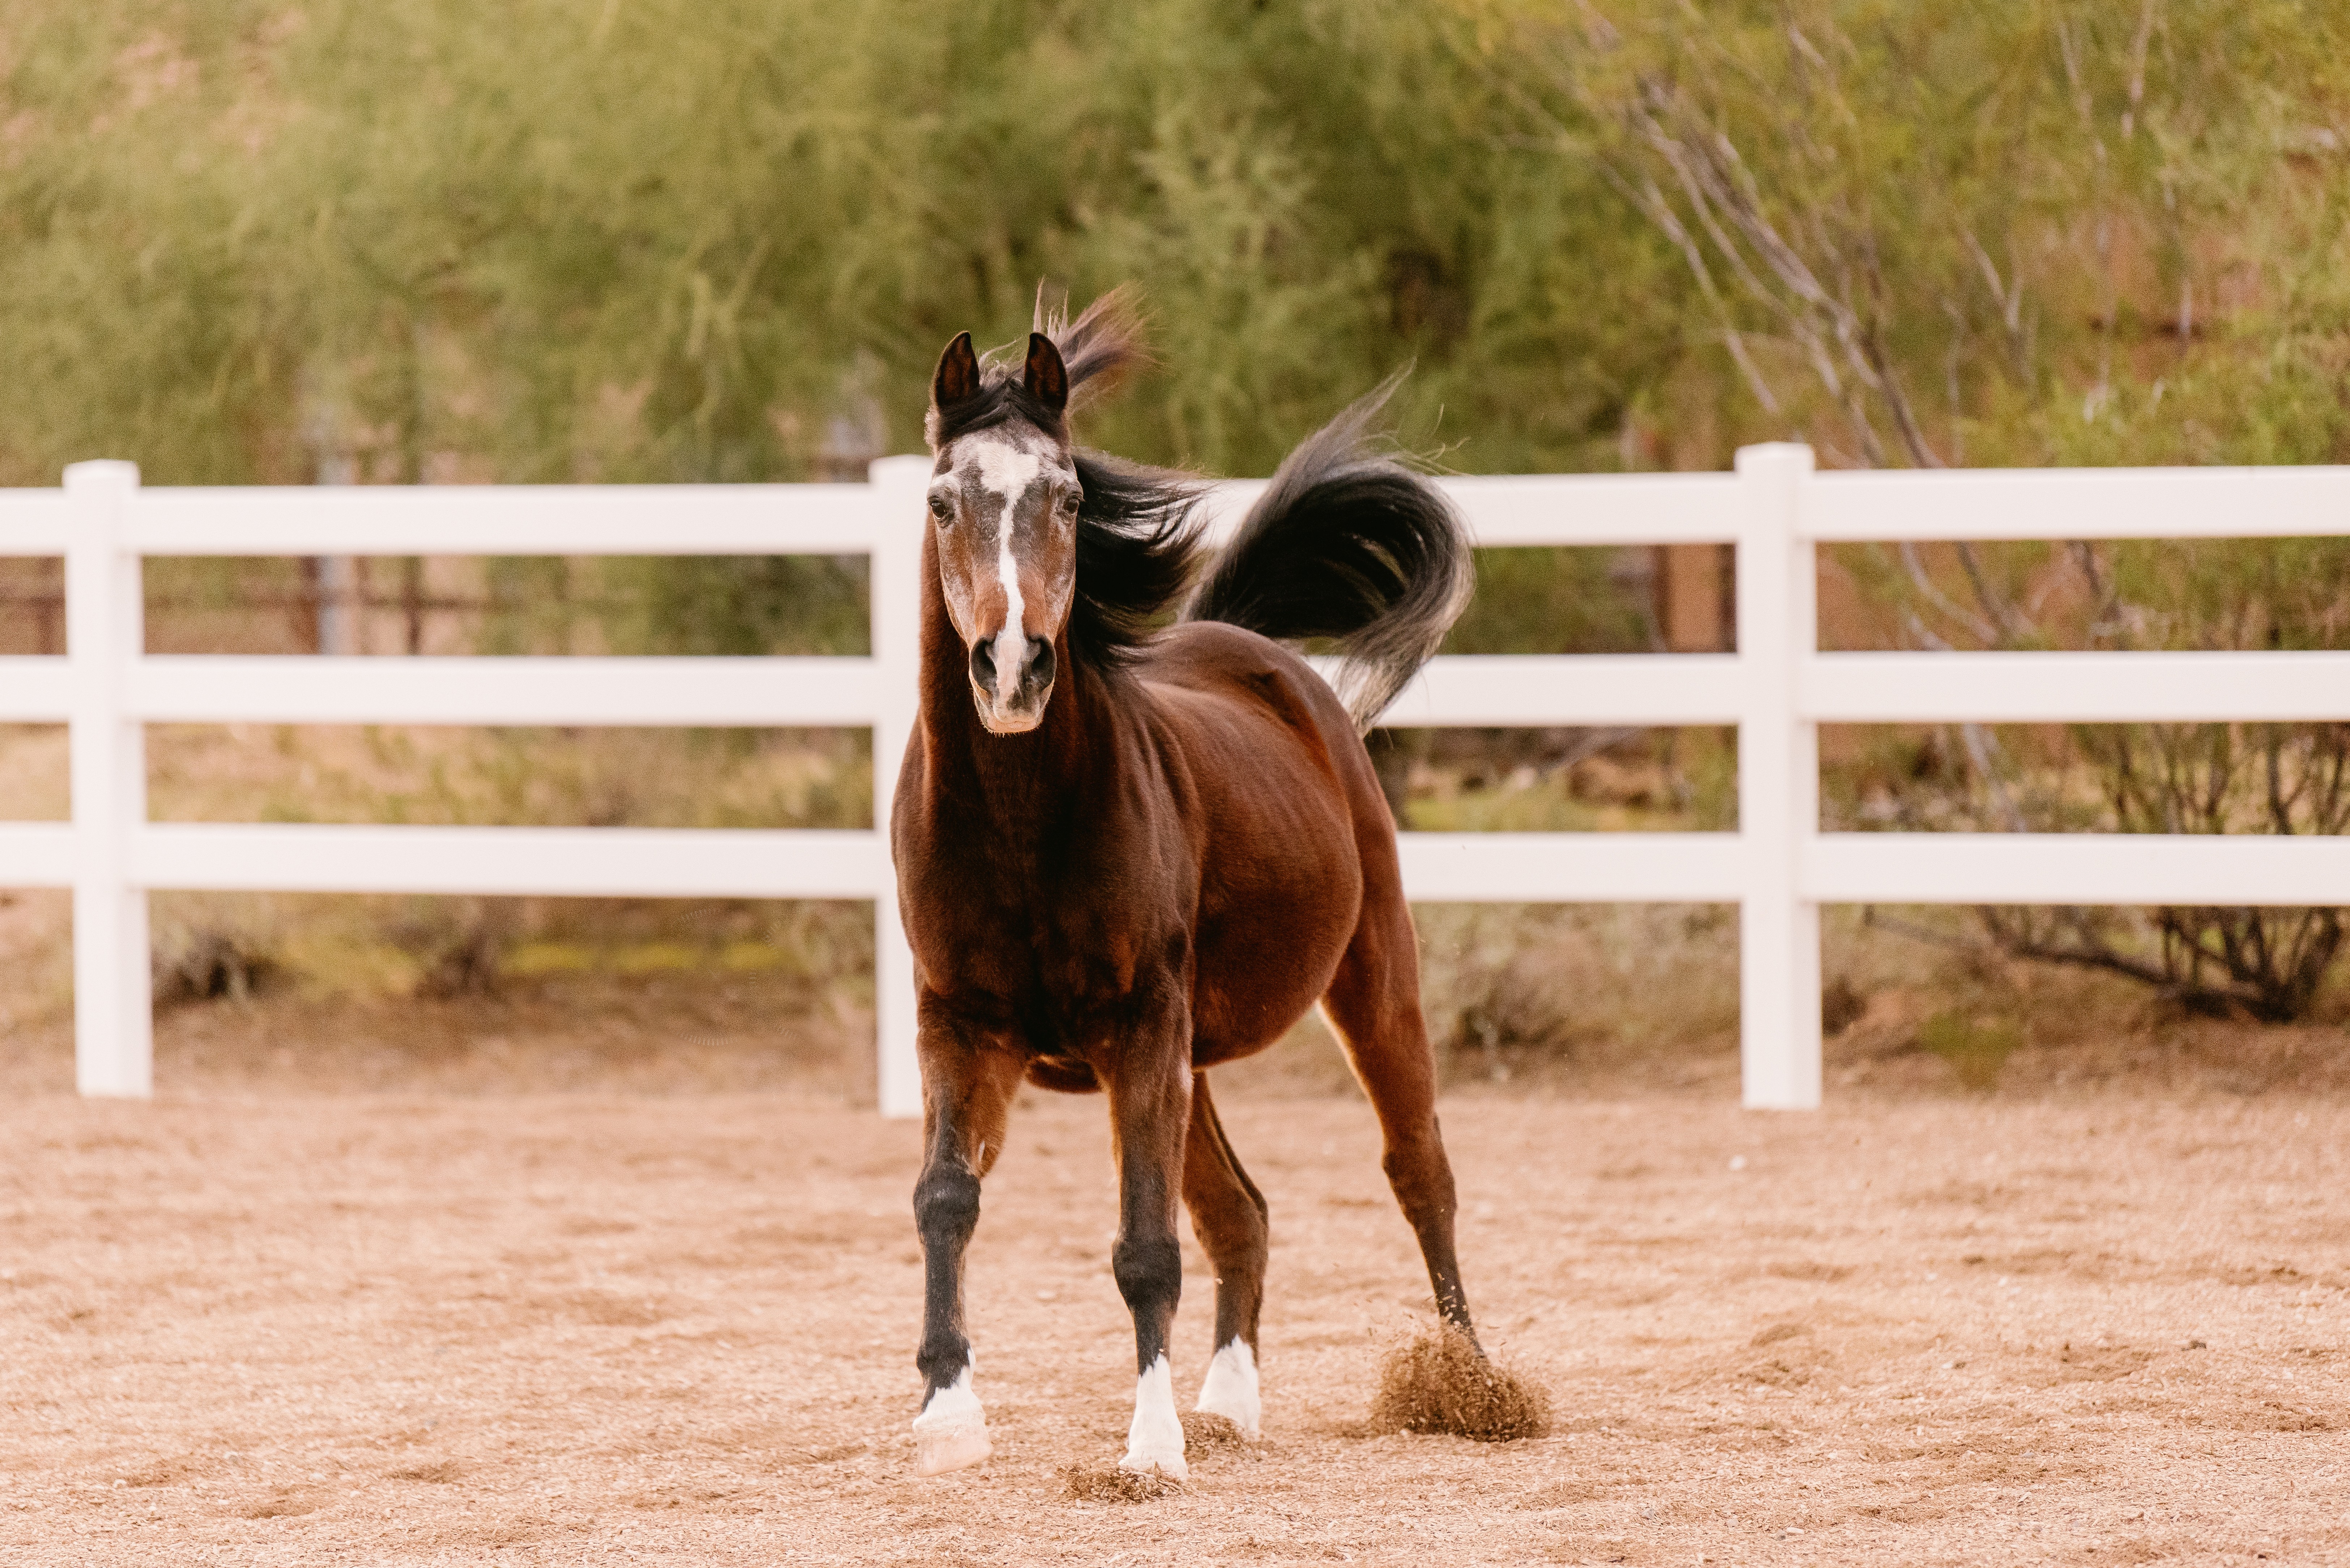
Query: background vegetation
645,239
410,241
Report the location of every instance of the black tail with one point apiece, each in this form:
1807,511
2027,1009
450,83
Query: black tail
1351,547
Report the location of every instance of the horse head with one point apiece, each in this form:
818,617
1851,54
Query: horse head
1003,497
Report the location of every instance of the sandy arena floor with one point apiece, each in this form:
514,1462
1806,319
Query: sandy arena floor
573,1329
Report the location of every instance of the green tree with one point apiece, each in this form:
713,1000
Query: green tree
2029,231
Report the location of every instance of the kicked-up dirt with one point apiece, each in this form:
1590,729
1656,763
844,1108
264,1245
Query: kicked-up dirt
578,1328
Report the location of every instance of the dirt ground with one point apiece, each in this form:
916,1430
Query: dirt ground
289,1327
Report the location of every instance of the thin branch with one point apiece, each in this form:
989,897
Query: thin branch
1981,747
1651,200
2010,301
1981,630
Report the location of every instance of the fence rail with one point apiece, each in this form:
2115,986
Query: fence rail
1778,867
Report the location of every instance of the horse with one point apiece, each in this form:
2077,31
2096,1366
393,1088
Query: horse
1129,851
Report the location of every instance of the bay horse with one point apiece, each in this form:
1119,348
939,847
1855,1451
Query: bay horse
1128,853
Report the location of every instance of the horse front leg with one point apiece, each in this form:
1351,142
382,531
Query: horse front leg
968,1082
1150,1112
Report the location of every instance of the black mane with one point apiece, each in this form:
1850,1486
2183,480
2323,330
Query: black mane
1000,398
1137,547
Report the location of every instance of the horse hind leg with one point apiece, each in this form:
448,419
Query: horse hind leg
1229,1215
1373,1006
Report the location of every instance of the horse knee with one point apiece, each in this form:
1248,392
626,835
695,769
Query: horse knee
1150,1271
946,1206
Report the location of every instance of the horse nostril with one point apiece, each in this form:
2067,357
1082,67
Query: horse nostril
983,665
1040,662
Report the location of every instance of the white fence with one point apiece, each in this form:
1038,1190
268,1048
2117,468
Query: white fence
1776,688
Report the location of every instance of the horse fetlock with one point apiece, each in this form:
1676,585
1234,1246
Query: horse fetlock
944,1358
950,1434
1154,1443
1231,1389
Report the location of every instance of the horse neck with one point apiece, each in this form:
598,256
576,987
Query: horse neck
1019,779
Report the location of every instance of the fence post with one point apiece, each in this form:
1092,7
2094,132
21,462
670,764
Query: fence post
1778,786
899,484
114,1042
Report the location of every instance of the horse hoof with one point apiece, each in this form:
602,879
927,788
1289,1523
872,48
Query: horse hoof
1230,1390
1154,1443
1163,1463
951,1433
936,1453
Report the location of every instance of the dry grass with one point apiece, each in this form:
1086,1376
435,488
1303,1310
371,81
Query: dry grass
1438,1382
1104,1482
1204,1433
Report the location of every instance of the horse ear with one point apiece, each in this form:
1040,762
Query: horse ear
1047,378
958,373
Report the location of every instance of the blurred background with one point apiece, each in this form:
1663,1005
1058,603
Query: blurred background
413,242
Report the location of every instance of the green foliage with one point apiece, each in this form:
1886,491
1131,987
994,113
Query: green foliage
645,239
1976,1048
769,604
1550,601
2026,232
1941,233
680,605
651,239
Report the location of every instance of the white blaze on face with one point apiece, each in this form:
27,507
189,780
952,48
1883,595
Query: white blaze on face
952,1430
1154,1444
1008,470
1230,1390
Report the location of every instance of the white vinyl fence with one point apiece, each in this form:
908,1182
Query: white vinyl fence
1777,689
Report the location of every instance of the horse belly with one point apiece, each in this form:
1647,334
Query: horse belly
1285,907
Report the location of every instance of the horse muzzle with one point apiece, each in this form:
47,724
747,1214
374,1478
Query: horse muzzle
1011,699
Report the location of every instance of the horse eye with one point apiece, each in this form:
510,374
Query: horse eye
1069,503
942,509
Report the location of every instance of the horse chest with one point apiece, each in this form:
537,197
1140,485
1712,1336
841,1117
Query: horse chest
1031,954
1057,971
